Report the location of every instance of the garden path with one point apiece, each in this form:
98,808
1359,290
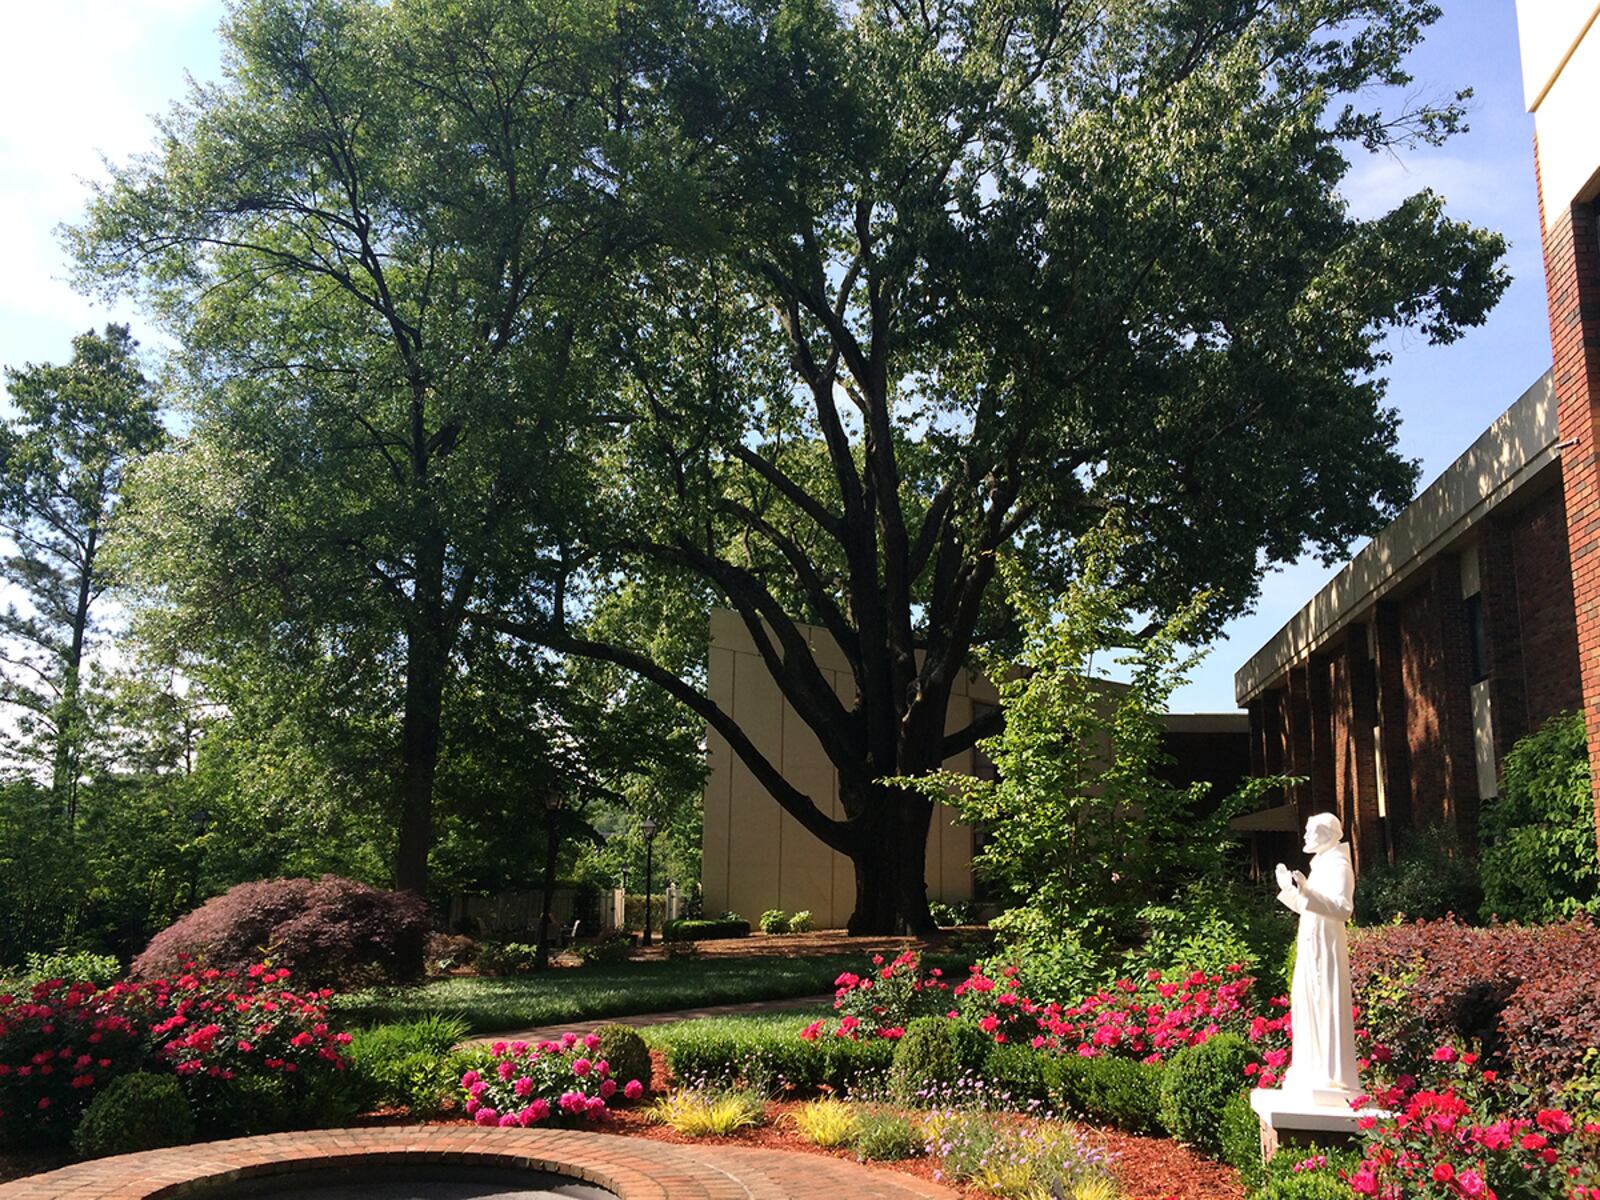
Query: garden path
539,1033
632,1168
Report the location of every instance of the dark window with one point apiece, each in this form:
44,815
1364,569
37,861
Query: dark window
1477,638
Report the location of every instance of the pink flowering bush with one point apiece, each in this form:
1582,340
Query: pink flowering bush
216,1031
526,1083
1463,1133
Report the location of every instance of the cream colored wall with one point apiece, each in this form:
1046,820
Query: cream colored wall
1560,42
755,855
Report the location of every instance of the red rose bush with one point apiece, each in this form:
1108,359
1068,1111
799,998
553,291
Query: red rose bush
63,1041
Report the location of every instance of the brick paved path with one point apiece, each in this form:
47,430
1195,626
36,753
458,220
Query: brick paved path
633,1168
640,1020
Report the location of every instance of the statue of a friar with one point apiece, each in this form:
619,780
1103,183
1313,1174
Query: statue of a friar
1322,1055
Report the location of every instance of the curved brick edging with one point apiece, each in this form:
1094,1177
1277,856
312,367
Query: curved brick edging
633,1168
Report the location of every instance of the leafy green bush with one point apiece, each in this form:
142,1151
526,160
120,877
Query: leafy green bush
1306,1173
801,921
699,930
1210,926
884,1135
506,957
1197,1084
1239,1137
962,912
403,1064
932,1056
774,920
1431,877
771,1056
134,1112
625,1051
615,948
1114,1091
73,966
1539,860
1021,1072
1052,964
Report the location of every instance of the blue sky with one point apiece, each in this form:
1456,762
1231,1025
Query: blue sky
80,79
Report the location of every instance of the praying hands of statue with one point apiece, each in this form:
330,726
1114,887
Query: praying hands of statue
1289,881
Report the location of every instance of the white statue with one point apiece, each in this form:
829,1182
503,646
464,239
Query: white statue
1322,1057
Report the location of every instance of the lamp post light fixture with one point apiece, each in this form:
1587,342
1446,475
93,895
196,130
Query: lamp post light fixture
648,827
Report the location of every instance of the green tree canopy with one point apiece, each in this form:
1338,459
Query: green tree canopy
77,428
938,284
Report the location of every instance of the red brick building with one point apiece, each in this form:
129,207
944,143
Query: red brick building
1475,616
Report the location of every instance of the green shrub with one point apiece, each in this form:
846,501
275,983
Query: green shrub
774,920
698,930
1539,860
615,948
1306,1173
1239,1135
1431,877
506,958
625,1051
947,916
928,1060
801,921
771,1056
884,1135
134,1112
401,1064
1113,1091
1197,1085
1021,1072
1209,926
74,966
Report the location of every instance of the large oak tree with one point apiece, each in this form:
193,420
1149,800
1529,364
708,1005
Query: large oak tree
939,281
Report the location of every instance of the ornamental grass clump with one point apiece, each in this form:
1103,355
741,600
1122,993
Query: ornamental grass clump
886,1135
708,1112
527,1083
829,1122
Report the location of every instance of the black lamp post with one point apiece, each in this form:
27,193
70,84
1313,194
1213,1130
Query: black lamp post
648,828
554,801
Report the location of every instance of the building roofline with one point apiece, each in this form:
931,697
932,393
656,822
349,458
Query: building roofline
1516,447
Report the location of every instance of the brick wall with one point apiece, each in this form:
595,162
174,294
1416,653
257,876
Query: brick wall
1549,630
1572,287
1434,666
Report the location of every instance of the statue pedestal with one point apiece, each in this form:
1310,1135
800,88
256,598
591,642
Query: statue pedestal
1318,1118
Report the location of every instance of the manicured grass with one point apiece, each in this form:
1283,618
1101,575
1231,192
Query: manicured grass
757,1025
492,1005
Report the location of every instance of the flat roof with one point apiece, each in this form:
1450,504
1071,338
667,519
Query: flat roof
1516,447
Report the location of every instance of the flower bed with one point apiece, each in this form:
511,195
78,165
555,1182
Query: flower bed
216,1031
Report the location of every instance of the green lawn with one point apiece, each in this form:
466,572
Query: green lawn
743,1026
492,1005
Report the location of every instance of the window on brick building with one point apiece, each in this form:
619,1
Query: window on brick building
1477,638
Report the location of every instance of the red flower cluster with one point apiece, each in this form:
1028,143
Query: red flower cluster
882,1002
1456,1138
1148,1020
534,1082
1154,1018
208,1027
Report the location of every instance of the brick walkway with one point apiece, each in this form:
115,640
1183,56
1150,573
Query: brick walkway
641,1020
632,1168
